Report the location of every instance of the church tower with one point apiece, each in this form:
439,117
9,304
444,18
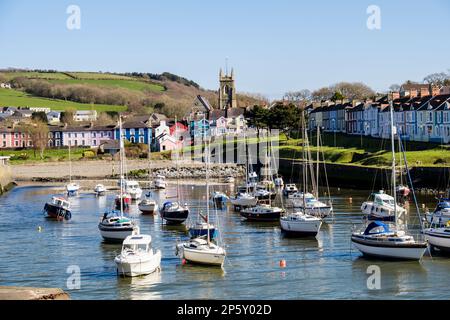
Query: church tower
227,91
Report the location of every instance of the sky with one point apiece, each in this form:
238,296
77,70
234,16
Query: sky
273,46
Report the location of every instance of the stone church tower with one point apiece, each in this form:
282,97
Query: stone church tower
227,91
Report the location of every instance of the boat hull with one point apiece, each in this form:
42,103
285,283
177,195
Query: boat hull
58,213
138,267
198,233
300,228
244,202
115,234
438,240
389,251
175,217
148,209
203,258
262,217
321,212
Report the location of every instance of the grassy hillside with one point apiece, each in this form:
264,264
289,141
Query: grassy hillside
20,99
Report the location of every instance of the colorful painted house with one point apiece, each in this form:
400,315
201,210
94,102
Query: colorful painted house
136,130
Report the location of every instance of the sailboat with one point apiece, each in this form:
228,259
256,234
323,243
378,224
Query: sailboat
200,250
73,187
148,205
173,212
243,198
299,223
308,202
379,239
114,226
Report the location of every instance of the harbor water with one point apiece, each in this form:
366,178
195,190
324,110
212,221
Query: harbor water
39,252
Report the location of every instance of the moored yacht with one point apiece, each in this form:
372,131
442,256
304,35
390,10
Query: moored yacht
200,251
298,224
441,215
160,182
438,238
133,189
263,213
382,207
99,190
148,205
308,204
174,213
115,228
290,189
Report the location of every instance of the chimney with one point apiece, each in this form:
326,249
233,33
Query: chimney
424,92
395,95
435,91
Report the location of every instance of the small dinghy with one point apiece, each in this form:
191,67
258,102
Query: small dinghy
137,257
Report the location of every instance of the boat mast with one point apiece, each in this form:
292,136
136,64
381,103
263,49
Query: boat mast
393,132
317,163
121,165
304,158
206,156
70,165
176,160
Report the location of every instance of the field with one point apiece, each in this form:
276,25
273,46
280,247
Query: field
28,155
109,83
20,99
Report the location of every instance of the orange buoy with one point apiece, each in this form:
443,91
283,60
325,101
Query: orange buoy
183,262
282,263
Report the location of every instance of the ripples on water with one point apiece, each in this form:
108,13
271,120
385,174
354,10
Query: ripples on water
326,268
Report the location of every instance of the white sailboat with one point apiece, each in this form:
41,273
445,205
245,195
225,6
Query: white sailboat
199,250
299,223
148,205
381,241
72,187
113,226
137,257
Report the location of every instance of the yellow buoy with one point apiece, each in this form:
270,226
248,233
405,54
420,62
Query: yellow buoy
39,229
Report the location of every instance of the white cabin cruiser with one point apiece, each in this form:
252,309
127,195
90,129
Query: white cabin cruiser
441,215
300,224
438,238
133,189
137,257
72,189
244,200
100,190
160,182
289,189
148,206
382,207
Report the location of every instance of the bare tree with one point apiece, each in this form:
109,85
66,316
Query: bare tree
38,132
394,88
437,79
324,93
296,96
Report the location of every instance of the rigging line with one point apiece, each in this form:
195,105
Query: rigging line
412,186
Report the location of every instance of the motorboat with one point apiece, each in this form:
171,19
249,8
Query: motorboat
299,224
58,208
160,182
219,197
379,241
114,227
263,213
441,215
289,189
261,193
133,189
174,213
307,203
199,251
137,257
381,207
72,189
148,206
100,190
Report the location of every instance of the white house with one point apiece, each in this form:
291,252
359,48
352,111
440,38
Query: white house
53,117
85,115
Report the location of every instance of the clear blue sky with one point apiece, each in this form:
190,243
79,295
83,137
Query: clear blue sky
274,46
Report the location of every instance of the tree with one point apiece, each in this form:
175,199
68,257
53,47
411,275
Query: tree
437,79
284,118
39,116
394,88
298,96
324,93
38,132
67,116
337,96
258,117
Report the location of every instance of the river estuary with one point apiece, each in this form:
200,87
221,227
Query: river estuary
326,268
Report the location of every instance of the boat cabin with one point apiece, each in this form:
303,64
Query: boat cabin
61,202
137,243
382,198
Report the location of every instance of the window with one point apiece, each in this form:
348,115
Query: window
4,144
94,134
16,143
70,135
141,131
82,135
94,142
132,132
132,139
141,139
16,135
83,143
57,143
4,136
57,135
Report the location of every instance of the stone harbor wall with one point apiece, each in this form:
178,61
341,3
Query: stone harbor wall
5,178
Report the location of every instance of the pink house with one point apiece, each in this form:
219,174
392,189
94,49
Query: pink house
169,143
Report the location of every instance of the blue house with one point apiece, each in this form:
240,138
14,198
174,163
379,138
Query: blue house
136,130
199,128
